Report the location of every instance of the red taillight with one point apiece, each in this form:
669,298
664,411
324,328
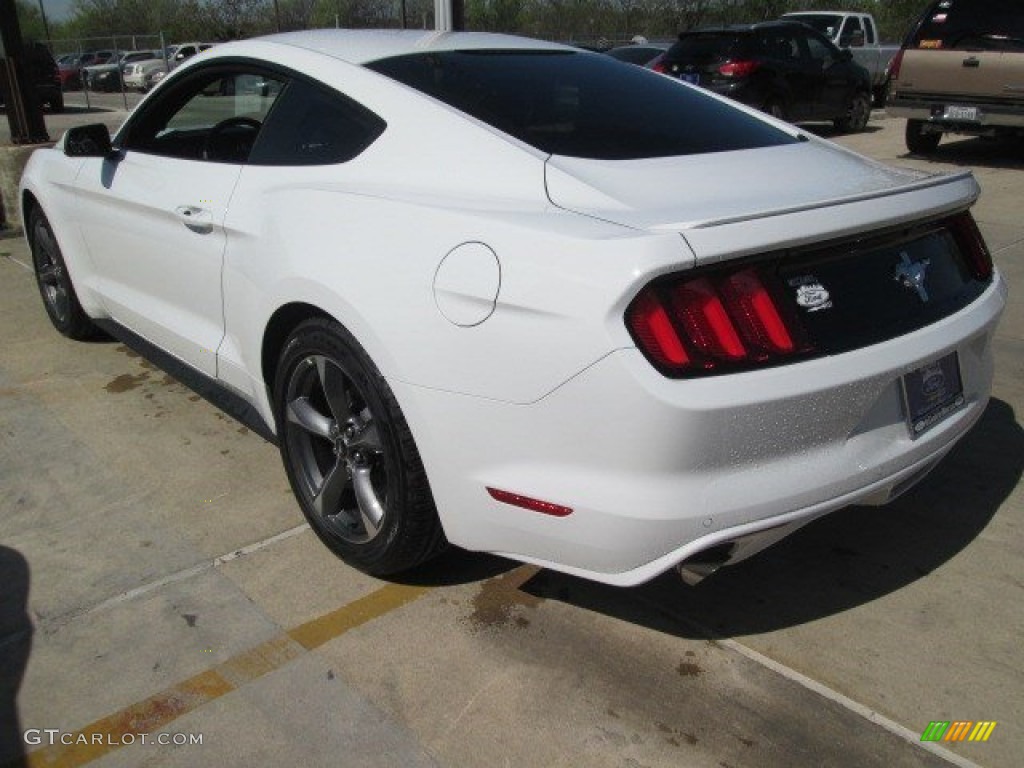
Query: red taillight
713,323
895,64
534,505
972,244
659,66
649,322
739,68
698,309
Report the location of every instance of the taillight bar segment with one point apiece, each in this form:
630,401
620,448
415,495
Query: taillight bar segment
972,245
713,323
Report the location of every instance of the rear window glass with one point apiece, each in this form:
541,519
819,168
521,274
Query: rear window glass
972,25
703,47
581,104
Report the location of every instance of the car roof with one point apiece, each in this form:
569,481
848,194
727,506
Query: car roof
741,28
360,46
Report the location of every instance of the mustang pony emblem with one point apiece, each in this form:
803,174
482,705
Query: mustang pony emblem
911,274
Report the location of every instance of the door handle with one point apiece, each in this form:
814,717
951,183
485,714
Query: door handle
199,220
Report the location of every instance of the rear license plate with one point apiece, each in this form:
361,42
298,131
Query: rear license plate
931,393
961,113
691,77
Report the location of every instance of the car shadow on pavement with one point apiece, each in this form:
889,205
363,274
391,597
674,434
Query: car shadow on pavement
977,152
15,646
829,131
846,559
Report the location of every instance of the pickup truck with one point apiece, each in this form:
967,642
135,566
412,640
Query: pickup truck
961,71
859,33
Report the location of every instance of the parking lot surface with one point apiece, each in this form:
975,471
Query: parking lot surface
159,584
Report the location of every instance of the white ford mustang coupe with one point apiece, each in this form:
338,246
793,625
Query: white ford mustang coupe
526,299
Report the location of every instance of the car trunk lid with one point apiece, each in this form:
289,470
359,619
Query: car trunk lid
730,203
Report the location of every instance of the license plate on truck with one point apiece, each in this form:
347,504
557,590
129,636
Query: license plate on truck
969,114
931,393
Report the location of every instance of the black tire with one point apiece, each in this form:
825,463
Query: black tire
349,455
920,142
54,282
857,114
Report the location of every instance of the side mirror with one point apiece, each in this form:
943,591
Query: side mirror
88,141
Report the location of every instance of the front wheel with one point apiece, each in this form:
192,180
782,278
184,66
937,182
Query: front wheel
54,282
857,114
919,141
349,454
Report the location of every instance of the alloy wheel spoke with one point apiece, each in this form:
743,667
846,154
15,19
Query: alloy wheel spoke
302,412
332,380
327,500
371,511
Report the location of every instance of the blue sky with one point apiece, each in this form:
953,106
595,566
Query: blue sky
58,10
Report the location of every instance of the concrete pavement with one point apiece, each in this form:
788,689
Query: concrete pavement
172,590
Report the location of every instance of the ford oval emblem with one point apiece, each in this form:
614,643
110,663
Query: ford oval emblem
813,297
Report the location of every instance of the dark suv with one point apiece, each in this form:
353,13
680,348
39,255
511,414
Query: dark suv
42,73
961,70
786,69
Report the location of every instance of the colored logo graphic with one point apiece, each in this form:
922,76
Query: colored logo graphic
958,730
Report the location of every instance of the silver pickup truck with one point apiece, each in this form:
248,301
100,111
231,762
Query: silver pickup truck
859,33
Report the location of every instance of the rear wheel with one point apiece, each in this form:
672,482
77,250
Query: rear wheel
857,114
54,282
919,141
349,454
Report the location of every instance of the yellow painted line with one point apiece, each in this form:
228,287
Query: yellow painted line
152,714
315,633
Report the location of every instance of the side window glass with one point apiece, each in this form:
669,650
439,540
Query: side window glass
819,51
212,116
869,31
781,46
315,126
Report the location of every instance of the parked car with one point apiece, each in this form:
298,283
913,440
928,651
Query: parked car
961,70
107,77
661,330
143,75
69,69
784,68
42,73
135,74
639,54
859,33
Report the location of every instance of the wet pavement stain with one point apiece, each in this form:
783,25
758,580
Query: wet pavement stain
127,351
125,382
499,601
190,618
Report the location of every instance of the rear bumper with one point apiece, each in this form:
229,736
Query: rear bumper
932,109
657,470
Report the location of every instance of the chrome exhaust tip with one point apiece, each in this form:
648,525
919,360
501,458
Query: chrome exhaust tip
697,568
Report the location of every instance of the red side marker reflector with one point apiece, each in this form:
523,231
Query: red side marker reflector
534,505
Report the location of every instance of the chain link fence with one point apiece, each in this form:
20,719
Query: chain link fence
93,68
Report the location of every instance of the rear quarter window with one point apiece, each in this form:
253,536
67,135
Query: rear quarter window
581,104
